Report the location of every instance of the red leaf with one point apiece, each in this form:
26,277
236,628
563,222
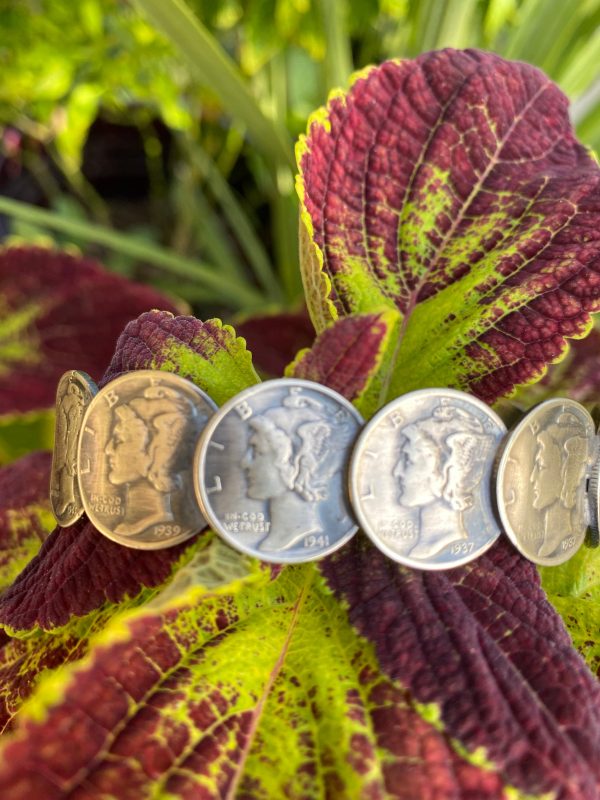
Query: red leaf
169,703
483,644
78,570
61,312
452,188
275,339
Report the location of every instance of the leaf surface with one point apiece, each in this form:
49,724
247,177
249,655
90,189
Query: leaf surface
78,569
352,357
166,705
487,656
59,312
452,189
25,516
274,339
573,588
206,563
577,375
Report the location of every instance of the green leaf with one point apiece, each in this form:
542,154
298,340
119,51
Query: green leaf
170,263
241,691
23,433
573,588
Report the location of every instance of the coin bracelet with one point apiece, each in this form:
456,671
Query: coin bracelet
287,470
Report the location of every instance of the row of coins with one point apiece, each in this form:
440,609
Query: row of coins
284,470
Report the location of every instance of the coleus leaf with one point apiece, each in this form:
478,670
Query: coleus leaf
59,311
573,588
262,688
207,563
352,357
25,516
452,189
274,339
488,656
577,375
165,705
79,570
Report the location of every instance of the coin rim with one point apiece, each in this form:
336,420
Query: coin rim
353,476
501,468
63,520
143,373
200,464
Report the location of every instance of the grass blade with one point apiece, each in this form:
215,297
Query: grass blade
211,64
236,296
338,56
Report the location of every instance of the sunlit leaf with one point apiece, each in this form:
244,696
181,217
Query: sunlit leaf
262,688
452,189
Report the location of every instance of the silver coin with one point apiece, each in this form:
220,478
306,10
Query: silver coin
73,395
541,481
135,459
270,470
420,478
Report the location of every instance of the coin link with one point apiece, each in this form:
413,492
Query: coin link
420,478
76,391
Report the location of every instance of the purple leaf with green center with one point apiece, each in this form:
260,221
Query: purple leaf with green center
352,357
261,689
482,649
451,188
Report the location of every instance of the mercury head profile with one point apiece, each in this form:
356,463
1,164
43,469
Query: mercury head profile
561,454
148,451
294,449
442,460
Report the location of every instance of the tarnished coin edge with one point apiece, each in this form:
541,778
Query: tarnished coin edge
62,520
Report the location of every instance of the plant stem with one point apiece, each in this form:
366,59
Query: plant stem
338,56
236,296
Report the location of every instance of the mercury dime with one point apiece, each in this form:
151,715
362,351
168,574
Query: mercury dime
73,395
541,481
270,470
135,459
420,478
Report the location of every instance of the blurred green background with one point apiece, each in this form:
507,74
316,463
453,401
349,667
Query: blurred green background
159,135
